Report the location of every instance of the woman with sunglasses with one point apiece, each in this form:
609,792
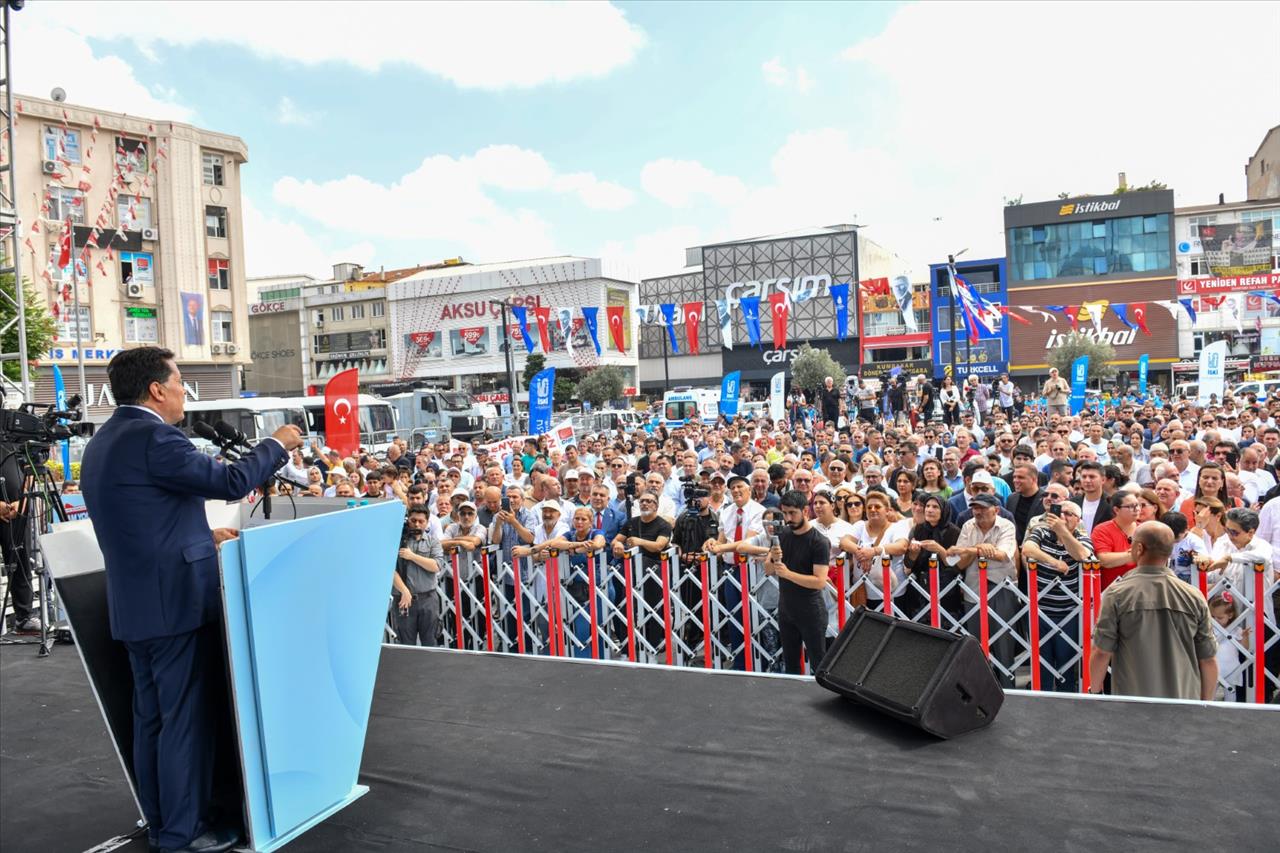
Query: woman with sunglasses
852,505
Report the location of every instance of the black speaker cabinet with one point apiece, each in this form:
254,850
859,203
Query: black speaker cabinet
932,679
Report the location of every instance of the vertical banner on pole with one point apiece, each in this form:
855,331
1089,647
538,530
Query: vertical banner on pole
60,403
840,296
1213,364
777,396
729,393
540,396
1143,366
1079,378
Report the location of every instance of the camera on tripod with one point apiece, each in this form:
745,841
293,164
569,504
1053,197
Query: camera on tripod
38,426
693,494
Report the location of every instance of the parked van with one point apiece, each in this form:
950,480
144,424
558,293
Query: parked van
433,415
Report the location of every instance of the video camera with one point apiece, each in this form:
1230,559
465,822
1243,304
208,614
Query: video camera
38,426
693,493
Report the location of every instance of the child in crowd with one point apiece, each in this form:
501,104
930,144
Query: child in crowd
1186,545
1224,610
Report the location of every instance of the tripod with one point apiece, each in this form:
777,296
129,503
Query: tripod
40,503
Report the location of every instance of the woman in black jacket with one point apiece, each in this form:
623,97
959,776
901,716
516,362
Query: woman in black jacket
931,538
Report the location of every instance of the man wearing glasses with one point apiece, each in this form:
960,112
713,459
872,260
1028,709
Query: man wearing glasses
1058,544
1188,471
465,537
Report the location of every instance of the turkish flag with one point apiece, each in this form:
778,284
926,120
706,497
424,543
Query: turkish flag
616,330
778,311
1073,312
692,320
64,246
543,315
1138,311
342,412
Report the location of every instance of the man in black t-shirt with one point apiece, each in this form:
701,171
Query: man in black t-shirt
800,562
651,533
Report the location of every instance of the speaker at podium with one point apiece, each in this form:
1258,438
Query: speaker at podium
304,606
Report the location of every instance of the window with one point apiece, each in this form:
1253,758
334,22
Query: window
131,156
61,143
320,317
357,312
378,339
133,212
379,309
1085,249
140,325
336,312
215,221
212,170
1199,266
221,326
219,274
67,327
137,267
64,202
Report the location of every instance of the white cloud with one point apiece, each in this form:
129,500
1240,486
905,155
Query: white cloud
679,182
289,113
274,246
105,82
450,200
656,253
779,75
474,45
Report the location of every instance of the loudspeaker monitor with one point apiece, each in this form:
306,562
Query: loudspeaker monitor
935,680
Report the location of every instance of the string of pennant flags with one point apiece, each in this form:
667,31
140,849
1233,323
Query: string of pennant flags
980,314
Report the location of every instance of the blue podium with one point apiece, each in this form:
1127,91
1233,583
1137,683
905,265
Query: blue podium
304,605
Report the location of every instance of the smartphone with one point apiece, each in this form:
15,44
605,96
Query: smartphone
1054,509
506,504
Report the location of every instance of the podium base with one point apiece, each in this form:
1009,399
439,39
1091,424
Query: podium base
357,792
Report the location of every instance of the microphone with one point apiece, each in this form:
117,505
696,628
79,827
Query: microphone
205,431
230,434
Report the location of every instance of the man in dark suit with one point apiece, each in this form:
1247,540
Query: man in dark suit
145,487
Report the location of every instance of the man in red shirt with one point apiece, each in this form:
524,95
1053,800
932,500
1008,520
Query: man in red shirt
1112,540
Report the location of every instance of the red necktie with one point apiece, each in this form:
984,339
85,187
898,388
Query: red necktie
737,531
599,521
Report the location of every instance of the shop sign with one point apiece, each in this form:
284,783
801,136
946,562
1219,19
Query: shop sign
1228,284
266,308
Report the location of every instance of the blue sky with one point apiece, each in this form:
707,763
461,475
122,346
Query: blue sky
391,134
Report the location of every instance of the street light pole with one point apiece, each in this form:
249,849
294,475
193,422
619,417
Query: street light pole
510,363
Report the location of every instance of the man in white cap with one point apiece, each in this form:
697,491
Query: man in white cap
533,578
466,536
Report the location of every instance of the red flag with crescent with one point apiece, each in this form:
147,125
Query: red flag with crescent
543,315
342,412
692,321
64,245
778,312
1138,311
616,328
1073,312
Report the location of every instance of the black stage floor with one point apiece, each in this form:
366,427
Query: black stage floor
476,752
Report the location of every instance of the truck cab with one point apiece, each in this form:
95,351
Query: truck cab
436,415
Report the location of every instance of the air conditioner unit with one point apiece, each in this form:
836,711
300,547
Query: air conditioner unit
150,234
49,167
216,348
232,349
133,290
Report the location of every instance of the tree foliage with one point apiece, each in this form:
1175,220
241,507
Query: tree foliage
533,365
1151,185
1075,345
601,385
41,328
812,366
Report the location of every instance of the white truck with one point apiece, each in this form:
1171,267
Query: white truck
432,415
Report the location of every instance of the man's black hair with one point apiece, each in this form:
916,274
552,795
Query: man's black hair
418,510
794,499
1091,466
777,472
1058,464
1113,472
132,371
1175,521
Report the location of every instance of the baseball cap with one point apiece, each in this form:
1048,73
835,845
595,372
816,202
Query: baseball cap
982,478
984,499
460,493
546,505
466,505
571,474
716,475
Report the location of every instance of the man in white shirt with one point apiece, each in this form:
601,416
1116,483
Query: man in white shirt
1098,444
1257,481
1188,471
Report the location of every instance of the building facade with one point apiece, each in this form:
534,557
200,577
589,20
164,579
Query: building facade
1262,173
1097,249
804,264
987,357
1228,265
158,205
445,326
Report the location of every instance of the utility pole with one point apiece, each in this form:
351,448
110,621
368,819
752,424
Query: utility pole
512,387
856,301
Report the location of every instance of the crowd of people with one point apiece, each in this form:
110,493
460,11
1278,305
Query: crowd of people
851,495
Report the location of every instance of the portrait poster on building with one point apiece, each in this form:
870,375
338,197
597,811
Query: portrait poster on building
193,319
1238,248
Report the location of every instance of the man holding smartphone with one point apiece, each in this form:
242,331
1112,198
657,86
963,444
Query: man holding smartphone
800,561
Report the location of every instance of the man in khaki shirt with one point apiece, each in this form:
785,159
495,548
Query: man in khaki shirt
1154,630
1056,393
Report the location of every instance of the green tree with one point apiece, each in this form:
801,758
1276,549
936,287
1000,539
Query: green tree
533,365
1075,345
1151,185
565,383
40,325
601,385
812,366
